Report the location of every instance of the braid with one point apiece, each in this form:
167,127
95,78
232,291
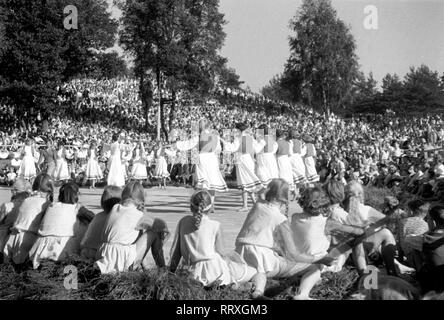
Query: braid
199,205
198,214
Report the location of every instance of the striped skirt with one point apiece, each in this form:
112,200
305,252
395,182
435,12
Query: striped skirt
298,167
266,167
285,170
208,173
310,170
246,178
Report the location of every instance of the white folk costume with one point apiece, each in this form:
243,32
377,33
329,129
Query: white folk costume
161,170
310,165
118,251
297,161
245,146
27,168
138,170
61,171
283,155
127,155
116,174
24,231
93,170
208,172
266,165
57,240
197,248
256,242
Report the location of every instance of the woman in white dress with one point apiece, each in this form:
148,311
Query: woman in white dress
199,244
61,172
126,239
266,243
283,155
208,172
245,146
297,162
24,230
310,161
60,231
138,170
93,171
27,168
266,166
161,170
116,175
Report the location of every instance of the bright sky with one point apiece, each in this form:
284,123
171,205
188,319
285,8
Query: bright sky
410,32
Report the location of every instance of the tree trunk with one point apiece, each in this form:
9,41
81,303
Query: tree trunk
172,110
146,95
162,120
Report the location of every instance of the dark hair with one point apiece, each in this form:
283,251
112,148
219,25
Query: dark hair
265,128
200,204
242,126
134,192
277,190
415,205
437,214
111,196
69,193
335,191
293,133
314,201
43,183
115,137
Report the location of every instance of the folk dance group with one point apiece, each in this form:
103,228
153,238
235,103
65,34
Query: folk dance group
53,161
288,158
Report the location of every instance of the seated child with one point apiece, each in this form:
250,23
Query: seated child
9,210
24,232
125,241
59,230
413,225
338,229
199,242
265,226
92,240
381,242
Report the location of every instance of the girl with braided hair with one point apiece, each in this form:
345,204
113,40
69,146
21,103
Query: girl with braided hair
199,244
128,236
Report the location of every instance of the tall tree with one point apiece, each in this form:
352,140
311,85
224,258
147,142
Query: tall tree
37,52
422,86
275,90
174,40
322,66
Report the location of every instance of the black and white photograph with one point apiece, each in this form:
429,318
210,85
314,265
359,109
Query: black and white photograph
242,151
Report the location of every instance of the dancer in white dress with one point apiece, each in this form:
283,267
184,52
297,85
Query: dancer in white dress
61,172
138,170
310,161
245,146
93,171
116,175
27,168
266,166
283,154
161,170
208,172
199,242
297,162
